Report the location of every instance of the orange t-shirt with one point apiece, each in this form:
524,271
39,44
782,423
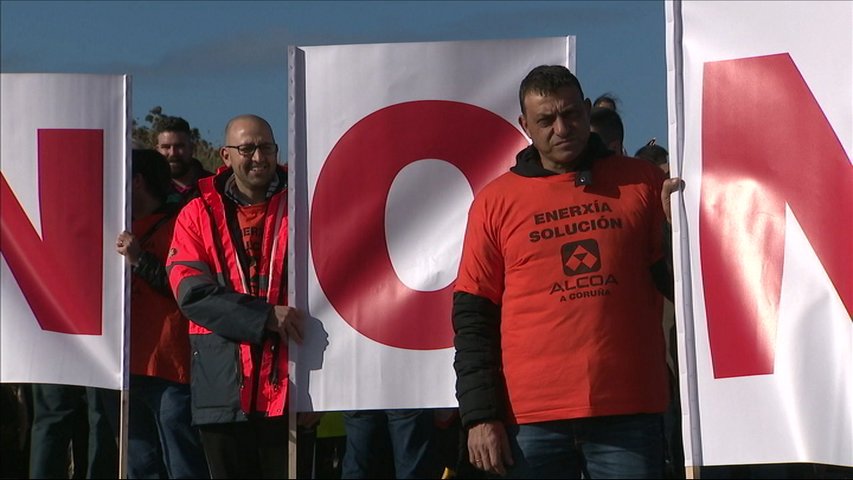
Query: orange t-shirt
569,266
251,220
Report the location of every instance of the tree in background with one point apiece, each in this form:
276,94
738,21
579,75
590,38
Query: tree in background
144,136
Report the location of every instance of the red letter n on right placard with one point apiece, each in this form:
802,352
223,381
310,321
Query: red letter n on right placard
765,143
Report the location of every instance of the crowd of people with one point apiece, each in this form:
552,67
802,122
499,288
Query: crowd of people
554,379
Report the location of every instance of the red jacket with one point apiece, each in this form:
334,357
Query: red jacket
158,330
238,367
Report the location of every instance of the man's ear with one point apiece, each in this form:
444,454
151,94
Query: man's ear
522,121
224,154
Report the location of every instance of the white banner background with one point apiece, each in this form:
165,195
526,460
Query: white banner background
64,101
343,85
803,411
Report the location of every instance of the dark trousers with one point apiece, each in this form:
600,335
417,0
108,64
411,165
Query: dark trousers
256,448
162,443
56,409
616,446
410,433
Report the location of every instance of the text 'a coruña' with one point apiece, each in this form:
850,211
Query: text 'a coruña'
583,287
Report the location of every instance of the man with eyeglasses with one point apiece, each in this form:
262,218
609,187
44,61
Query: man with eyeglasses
227,268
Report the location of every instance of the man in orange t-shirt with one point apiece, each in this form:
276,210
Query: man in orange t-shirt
560,357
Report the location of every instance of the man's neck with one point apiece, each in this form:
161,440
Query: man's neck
252,197
187,179
145,205
559,168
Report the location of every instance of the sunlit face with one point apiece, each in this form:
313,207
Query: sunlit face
177,147
254,173
558,125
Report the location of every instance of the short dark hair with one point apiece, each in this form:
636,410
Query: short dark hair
547,80
155,171
173,124
653,153
608,125
606,97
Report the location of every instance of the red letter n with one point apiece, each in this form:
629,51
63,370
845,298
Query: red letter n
765,143
61,272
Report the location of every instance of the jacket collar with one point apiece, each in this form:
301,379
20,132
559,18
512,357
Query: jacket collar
529,164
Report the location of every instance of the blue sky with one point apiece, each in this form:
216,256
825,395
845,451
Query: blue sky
209,61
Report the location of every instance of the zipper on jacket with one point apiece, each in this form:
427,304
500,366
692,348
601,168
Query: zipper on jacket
239,368
257,357
273,378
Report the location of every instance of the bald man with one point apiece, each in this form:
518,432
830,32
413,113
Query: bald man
227,267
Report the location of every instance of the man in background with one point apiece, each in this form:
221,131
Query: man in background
175,142
655,154
162,443
605,100
607,124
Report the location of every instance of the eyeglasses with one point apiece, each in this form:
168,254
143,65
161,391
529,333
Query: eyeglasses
248,149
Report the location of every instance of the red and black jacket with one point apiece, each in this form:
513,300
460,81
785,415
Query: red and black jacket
238,367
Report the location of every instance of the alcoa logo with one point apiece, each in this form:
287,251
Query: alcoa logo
580,257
